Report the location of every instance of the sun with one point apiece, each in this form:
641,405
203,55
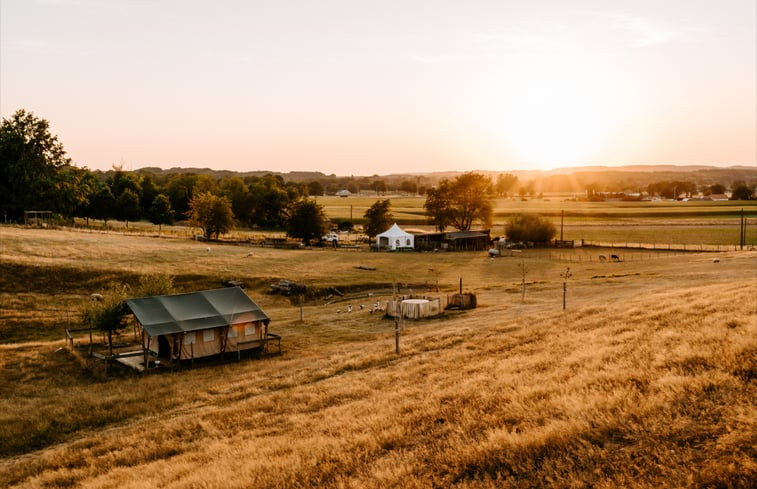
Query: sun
555,116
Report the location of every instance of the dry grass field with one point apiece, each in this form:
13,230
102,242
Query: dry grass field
648,379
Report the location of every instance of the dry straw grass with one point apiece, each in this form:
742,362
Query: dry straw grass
648,379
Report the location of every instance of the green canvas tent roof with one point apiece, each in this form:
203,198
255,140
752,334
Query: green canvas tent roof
182,313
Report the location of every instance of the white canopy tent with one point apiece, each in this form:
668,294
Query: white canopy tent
394,239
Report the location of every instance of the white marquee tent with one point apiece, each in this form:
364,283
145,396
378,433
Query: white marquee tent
394,239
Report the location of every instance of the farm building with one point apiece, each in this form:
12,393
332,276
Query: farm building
395,239
200,324
456,240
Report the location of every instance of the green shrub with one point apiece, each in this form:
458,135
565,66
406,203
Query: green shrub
529,227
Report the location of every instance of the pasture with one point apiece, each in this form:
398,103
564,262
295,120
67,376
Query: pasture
647,379
691,223
704,224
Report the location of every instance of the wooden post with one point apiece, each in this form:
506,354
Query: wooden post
461,285
192,350
144,350
523,270
397,334
565,276
302,304
562,218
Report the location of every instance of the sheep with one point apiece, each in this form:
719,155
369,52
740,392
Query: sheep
362,306
96,297
602,258
250,254
207,249
716,260
349,308
615,258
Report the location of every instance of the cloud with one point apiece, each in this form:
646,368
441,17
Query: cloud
644,31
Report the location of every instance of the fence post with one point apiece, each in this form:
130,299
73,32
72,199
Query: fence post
397,334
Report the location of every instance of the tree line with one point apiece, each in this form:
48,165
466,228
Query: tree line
36,174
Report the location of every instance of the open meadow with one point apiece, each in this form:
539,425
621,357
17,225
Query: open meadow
659,223
648,378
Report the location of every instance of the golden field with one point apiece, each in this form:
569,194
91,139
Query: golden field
648,379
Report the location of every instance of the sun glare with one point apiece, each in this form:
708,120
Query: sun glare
555,115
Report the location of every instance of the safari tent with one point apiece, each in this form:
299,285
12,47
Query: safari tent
394,239
200,324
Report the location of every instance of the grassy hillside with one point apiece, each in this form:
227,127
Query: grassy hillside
646,380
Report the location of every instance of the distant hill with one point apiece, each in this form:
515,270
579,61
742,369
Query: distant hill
568,179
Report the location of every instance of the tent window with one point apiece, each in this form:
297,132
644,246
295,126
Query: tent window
208,335
249,329
233,332
189,338
408,242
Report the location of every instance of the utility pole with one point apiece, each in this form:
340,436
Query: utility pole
523,271
742,234
562,218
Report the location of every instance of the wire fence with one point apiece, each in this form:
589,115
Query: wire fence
663,246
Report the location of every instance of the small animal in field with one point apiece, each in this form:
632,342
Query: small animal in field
602,258
96,297
615,258
207,249
716,260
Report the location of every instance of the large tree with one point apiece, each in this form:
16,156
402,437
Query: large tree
461,202
34,170
127,206
306,221
212,214
741,191
505,182
160,211
378,218
438,206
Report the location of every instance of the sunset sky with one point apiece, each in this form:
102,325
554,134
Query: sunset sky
361,88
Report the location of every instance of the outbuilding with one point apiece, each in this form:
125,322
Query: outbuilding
395,238
200,324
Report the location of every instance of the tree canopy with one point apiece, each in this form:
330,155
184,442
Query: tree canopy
34,170
307,221
461,202
741,191
378,218
160,211
212,214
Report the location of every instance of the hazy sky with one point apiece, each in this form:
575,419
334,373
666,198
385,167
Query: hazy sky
359,87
